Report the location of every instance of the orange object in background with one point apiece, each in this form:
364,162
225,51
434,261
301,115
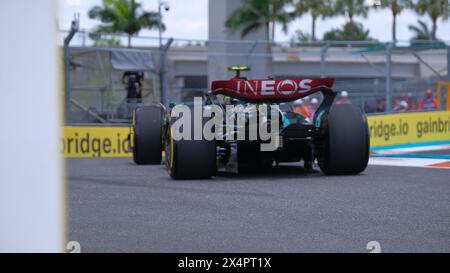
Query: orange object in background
445,104
302,110
428,103
445,164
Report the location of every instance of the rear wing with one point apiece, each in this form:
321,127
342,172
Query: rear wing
271,90
279,90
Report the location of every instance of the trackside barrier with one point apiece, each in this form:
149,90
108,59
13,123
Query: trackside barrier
95,141
385,130
393,129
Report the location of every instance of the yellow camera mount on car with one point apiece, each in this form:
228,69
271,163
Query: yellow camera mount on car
238,70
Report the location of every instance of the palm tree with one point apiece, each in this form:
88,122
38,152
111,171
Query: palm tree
351,8
396,7
255,14
317,8
421,31
125,16
435,9
349,32
301,37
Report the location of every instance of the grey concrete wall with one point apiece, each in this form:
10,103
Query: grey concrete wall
219,11
347,70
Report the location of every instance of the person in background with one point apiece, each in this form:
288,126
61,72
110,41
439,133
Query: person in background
397,100
412,102
396,103
428,103
306,102
343,98
300,108
401,107
381,105
133,82
313,107
409,98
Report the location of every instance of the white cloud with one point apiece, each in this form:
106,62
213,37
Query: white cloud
378,22
189,20
73,2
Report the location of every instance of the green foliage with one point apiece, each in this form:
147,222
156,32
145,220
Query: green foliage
317,8
421,31
100,41
255,14
435,9
351,8
124,16
301,37
396,7
349,32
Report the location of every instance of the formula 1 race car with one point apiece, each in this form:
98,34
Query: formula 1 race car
337,136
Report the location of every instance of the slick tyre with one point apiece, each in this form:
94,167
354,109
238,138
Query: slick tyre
189,158
147,124
344,148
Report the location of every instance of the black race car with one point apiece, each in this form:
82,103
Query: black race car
337,136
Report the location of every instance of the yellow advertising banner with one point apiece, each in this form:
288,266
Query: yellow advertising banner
406,128
385,130
96,141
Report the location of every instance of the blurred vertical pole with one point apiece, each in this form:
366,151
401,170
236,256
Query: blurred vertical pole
249,54
162,54
323,60
164,94
84,38
388,77
67,82
161,57
32,191
448,65
225,50
73,29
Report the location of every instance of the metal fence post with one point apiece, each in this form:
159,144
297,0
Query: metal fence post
67,82
84,38
323,59
73,29
388,78
250,52
448,64
162,71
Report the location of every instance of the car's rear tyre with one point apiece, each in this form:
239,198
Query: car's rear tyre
344,146
147,124
190,159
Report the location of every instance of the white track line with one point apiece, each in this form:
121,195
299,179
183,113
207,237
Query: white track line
406,162
414,149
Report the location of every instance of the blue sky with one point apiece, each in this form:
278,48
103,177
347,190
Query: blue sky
188,19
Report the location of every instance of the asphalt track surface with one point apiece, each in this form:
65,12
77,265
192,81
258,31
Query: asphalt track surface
116,206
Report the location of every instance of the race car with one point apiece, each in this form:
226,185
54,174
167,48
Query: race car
337,136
